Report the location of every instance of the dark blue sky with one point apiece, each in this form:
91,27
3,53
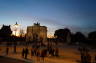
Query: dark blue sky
75,14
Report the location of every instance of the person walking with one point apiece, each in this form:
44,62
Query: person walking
94,59
7,50
88,58
38,54
23,53
56,52
26,53
43,54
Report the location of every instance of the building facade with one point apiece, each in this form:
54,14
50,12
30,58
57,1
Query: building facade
36,33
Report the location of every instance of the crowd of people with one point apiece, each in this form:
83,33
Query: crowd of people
25,53
85,56
40,51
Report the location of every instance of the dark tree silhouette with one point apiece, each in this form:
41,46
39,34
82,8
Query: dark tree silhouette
73,40
62,34
91,41
92,35
5,32
59,34
79,37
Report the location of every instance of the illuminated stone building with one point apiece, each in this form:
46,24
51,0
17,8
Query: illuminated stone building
36,33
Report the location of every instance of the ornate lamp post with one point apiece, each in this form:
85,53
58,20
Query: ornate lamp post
16,26
15,43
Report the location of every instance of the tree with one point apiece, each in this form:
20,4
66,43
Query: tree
92,35
62,34
92,39
79,37
73,40
5,32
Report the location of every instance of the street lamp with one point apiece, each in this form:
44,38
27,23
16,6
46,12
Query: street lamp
16,26
15,43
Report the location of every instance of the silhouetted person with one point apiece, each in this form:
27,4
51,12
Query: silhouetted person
88,58
50,50
94,59
32,52
85,56
53,52
26,53
82,55
0,49
38,55
7,50
43,54
23,53
56,52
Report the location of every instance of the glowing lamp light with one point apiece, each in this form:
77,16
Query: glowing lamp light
16,31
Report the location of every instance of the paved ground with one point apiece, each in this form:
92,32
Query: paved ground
68,54
10,60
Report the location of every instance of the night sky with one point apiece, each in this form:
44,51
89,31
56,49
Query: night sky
78,15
